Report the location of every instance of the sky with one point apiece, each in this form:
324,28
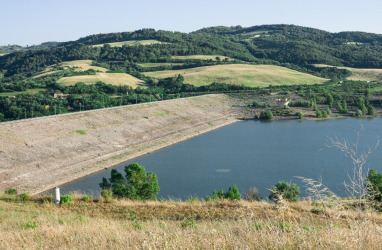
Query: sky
28,22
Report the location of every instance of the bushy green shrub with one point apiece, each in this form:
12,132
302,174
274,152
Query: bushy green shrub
66,199
370,110
232,194
10,191
107,194
259,105
188,223
24,197
266,115
288,191
192,199
87,198
300,115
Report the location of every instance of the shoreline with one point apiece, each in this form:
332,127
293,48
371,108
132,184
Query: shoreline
148,151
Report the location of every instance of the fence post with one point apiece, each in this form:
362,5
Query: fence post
57,196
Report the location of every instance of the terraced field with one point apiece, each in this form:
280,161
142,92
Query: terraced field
249,75
130,43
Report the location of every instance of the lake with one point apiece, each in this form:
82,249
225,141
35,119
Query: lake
252,153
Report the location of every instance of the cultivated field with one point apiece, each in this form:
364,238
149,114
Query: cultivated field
131,43
360,74
109,78
123,224
3,54
200,57
39,154
249,75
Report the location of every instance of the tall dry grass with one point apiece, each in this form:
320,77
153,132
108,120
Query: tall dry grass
178,225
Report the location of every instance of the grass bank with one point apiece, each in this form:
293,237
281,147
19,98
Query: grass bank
97,224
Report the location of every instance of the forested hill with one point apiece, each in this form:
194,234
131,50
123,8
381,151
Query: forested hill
301,45
288,45
13,48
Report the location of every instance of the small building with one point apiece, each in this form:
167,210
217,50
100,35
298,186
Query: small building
60,95
282,102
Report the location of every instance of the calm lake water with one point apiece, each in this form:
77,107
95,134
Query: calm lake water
252,153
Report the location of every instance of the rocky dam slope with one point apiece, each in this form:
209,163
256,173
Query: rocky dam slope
39,154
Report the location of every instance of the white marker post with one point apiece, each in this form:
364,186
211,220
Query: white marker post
57,196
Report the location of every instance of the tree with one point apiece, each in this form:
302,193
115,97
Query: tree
370,110
300,115
232,194
374,185
266,115
286,190
137,184
329,100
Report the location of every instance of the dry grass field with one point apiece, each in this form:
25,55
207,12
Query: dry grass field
76,65
200,57
109,78
249,75
81,65
124,224
360,74
3,54
131,43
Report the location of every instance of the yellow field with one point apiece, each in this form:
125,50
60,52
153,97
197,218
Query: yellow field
77,65
200,57
3,54
360,74
81,65
130,43
109,78
249,75
148,65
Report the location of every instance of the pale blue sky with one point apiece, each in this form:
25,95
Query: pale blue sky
34,21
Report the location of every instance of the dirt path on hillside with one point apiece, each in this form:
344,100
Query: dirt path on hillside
39,154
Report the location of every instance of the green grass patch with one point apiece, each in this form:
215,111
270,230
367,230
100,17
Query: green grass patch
81,132
26,92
